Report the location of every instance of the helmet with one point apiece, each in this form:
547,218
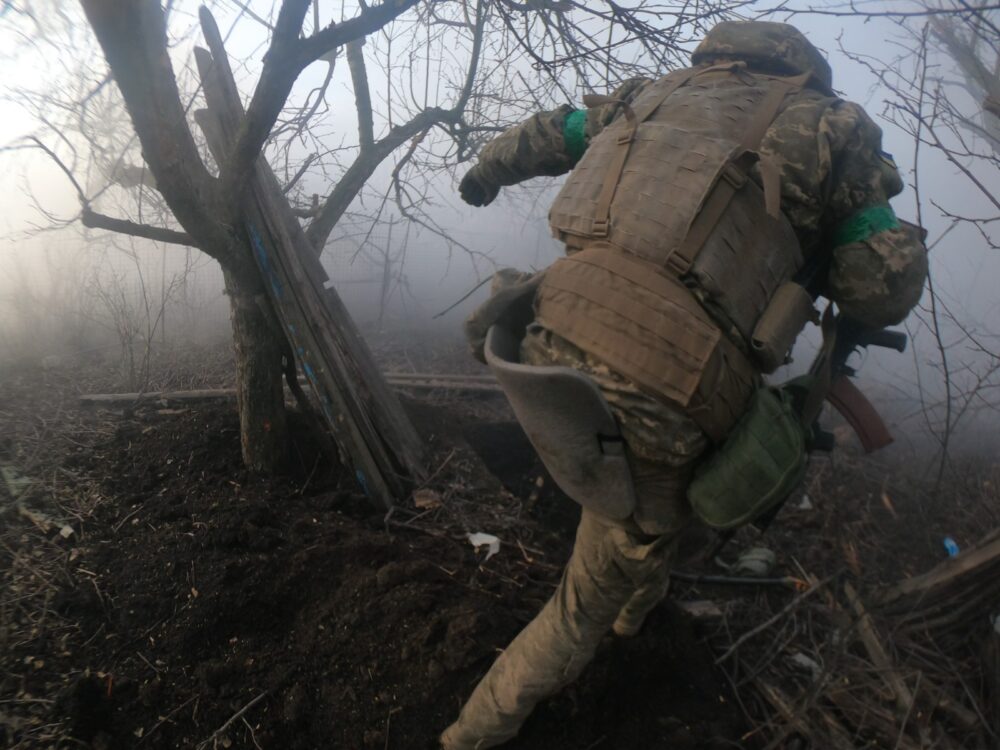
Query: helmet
772,46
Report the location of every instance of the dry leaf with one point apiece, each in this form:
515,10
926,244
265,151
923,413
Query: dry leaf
851,558
426,499
887,502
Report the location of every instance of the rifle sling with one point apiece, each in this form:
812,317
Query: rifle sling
822,370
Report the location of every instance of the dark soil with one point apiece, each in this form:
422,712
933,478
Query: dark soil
195,605
206,588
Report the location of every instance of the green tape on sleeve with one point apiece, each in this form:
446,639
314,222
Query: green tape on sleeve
864,224
573,133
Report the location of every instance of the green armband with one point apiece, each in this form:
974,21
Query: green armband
573,133
864,224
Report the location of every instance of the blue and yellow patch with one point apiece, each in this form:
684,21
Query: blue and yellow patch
886,157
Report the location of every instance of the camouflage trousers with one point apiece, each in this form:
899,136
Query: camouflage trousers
661,439
616,575
618,571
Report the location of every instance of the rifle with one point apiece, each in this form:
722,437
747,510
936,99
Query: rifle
841,338
830,379
841,393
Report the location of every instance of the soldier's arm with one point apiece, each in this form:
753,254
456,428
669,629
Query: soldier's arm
878,264
546,144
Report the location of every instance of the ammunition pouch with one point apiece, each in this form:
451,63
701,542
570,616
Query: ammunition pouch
756,468
569,424
783,319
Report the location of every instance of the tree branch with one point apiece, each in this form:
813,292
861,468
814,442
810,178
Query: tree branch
336,35
276,81
95,220
362,94
287,57
373,152
299,172
477,49
364,167
133,35
59,162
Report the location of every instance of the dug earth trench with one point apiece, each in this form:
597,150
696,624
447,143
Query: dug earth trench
216,609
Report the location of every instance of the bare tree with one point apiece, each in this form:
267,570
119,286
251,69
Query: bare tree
941,89
430,81
131,308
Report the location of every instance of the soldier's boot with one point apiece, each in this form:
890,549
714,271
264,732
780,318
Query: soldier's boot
610,561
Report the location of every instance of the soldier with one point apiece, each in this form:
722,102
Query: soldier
691,199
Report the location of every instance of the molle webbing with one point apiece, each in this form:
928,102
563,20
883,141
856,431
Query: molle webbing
735,174
657,181
650,328
744,260
664,194
602,212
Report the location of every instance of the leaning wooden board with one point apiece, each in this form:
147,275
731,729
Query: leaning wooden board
363,414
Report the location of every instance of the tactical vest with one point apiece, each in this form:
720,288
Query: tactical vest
674,252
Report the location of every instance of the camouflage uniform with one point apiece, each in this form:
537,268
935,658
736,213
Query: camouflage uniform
835,187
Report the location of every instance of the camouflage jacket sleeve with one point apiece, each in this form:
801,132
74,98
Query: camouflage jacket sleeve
549,143
878,264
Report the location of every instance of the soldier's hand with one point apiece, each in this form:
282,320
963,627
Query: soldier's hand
475,190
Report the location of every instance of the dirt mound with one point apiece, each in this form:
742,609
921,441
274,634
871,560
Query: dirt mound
213,591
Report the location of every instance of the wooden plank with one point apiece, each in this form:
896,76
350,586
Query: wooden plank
122,399
223,394
345,348
364,417
333,400
380,479
965,563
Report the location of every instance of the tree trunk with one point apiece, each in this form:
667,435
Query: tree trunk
259,392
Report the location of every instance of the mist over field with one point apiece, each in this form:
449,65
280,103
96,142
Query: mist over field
68,291
256,492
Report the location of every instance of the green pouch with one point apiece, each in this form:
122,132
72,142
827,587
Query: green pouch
758,465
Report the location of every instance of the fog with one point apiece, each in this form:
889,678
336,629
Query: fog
68,291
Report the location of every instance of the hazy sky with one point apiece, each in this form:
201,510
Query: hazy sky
514,229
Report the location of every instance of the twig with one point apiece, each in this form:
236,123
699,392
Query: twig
906,717
462,299
253,734
163,720
388,723
127,516
793,604
904,698
230,720
148,662
439,469
788,581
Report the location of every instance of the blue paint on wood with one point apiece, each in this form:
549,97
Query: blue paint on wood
360,476
264,261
